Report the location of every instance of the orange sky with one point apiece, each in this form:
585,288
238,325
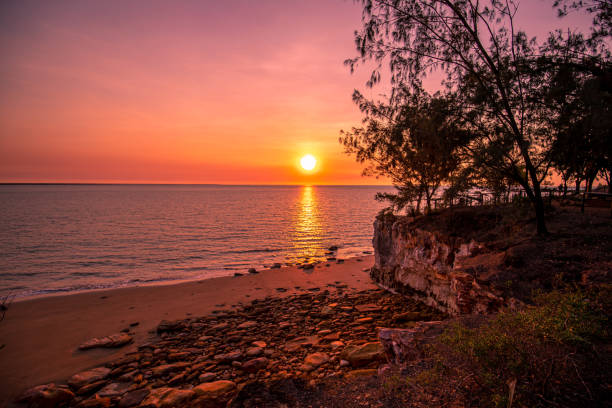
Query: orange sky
181,92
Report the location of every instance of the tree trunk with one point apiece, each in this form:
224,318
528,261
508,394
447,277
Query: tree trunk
591,180
577,186
536,199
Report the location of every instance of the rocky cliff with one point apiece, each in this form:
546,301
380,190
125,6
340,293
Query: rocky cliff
435,267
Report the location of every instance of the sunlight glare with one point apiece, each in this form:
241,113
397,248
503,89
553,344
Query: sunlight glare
308,162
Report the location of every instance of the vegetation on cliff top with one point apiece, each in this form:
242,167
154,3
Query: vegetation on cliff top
510,109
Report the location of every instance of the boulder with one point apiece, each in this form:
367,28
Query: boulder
207,377
247,325
114,340
167,368
362,355
229,357
254,351
133,398
316,359
46,396
114,390
87,377
95,402
215,390
167,398
255,365
299,342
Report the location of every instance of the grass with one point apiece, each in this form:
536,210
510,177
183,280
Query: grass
544,355
555,353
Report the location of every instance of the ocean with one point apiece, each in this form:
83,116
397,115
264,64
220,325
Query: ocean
67,238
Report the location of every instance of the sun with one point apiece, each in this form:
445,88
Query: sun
308,162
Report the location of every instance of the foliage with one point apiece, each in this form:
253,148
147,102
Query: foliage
415,144
543,350
496,77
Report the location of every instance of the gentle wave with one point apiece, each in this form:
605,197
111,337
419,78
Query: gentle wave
66,238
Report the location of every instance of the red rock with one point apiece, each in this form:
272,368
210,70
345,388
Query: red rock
167,398
255,365
316,359
46,396
363,355
114,340
87,377
216,389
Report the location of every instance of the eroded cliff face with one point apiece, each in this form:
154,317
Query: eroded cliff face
431,266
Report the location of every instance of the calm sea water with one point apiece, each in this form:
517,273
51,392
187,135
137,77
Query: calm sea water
62,238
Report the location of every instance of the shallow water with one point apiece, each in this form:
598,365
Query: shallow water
62,238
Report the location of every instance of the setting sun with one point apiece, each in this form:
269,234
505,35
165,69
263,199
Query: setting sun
308,162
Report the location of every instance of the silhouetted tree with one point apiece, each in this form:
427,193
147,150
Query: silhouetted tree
496,73
412,140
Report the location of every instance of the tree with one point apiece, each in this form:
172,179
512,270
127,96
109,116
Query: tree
489,67
601,10
413,140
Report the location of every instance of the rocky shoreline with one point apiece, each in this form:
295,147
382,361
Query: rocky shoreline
211,360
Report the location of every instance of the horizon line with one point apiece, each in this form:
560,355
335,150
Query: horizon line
184,184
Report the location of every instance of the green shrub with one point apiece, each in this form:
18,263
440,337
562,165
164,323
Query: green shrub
544,355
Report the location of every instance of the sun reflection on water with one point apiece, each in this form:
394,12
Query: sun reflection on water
308,237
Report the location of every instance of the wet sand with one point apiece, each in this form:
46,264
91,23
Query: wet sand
41,335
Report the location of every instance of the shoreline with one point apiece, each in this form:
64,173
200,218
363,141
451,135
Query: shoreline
41,334
169,282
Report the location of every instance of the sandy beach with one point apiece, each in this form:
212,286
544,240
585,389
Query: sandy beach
41,335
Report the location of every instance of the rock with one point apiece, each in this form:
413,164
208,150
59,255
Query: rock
254,351
133,398
207,377
247,325
215,390
336,345
402,345
167,368
326,311
344,363
359,356
87,377
308,266
220,326
362,373
261,344
89,388
46,396
96,402
170,326
114,340
432,265
167,397
300,342
229,357
252,270
276,266
238,274
254,365
332,337
316,359
333,248
114,390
